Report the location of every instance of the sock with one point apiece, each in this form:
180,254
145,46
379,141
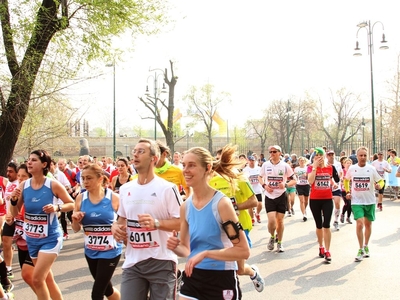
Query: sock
337,213
254,276
9,268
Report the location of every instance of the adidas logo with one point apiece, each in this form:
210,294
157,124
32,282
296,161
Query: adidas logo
154,195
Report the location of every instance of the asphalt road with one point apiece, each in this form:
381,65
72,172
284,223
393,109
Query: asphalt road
298,273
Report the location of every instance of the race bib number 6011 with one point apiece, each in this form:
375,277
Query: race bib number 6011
142,238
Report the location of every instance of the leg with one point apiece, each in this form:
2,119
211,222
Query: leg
272,222
367,231
8,252
280,227
63,222
42,263
302,206
359,231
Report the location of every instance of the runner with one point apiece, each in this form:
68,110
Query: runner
275,177
302,186
336,193
347,202
323,178
252,171
364,180
212,247
381,166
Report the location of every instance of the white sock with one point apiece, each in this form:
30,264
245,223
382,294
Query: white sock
337,213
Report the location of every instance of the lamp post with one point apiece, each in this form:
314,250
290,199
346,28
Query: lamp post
363,127
156,93
370,30
288,125
302,137
114,135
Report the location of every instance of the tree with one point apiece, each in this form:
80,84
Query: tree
80,28
203,107
258,128
150,103
339,117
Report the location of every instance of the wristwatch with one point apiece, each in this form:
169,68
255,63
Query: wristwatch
59,207
156,224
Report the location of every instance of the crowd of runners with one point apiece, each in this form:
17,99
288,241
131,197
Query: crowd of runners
157,206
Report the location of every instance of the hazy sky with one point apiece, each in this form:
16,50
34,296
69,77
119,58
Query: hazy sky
258,51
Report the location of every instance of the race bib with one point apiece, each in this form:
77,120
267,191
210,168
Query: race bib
98,237
142,238
361,184
322,182
274,181
36,225
19,230
253,179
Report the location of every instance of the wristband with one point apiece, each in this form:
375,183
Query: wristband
14,202
264,185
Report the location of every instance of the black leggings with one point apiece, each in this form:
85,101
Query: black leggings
63,220
102,271
322,212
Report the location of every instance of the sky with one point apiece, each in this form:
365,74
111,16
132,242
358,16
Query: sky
258,51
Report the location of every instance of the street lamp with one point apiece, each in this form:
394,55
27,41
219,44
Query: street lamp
288,125
370,30
302,137
363,127
114,135
147,93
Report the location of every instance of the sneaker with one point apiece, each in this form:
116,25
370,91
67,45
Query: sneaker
366,251
328,256
292,211
179,281
258,281
342,218
321,252
9,296
276,238
253,221
258,218
65,237
304,218
360,255
10,274
8,287
289,213
336,225
380,206
279,248
349,221
271,242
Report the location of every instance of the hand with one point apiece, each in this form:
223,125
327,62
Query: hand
119,232
16,193
281,185
348,196
77,216
146,221
49,208
173,241
377,186
191,263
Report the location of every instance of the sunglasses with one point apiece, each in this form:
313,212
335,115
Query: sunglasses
273,151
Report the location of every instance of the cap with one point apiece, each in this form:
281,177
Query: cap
319,150
330,152
275,147
380,152
251,157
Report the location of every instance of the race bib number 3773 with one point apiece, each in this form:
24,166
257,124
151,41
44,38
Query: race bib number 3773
36,225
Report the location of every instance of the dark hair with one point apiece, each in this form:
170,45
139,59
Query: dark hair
126,162
44,158
25,167
13,165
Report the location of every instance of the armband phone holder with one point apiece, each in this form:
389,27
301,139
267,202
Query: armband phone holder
228,226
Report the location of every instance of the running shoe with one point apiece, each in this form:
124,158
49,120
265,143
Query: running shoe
10,274
279,248
271,242
342,218
380,206
65,237
253,221
258,218
9,296
179,280
360,255
336,225
328,256
366,251
258,281
289,213
321,252
292,210
349,221
8,287
304,218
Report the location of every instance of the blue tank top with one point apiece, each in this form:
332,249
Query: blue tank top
99,241
40,228
206,233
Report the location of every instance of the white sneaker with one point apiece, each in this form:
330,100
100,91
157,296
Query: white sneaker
258,281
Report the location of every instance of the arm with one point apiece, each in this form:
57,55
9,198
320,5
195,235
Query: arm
249,203
60,192
77,215
115,201
181,246
118,230
17,200
112,183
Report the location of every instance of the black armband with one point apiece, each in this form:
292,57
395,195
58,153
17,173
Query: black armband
228,225
14,202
